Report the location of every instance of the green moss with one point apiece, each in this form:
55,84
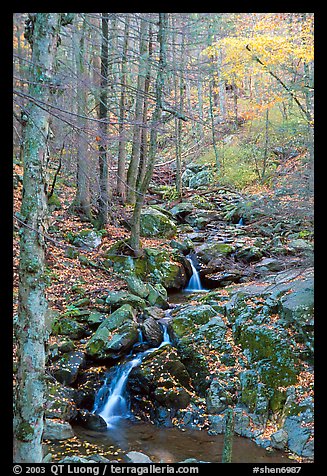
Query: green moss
25,432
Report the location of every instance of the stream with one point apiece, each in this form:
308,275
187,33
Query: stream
168,445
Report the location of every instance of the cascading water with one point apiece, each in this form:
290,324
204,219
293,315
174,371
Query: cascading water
111,402
194,283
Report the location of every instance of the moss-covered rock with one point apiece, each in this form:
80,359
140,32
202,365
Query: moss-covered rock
157,266
117,299
116,335
68,327
210,251
163,377
68,366
154,223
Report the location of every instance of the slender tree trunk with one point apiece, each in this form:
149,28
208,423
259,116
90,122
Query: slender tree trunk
228,439
121,175
103,201
265,156
156,119
82,202
222,88
179,122
144,133
136,146
30,329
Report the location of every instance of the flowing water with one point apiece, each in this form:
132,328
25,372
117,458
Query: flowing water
111,402
168,445
194,283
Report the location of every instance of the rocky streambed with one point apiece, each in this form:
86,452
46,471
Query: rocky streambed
247,343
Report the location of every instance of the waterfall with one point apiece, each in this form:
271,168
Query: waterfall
194,283
111,402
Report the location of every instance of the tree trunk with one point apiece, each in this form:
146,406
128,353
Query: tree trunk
228,439
103,201
121,178
136,146
30,329
82,202
156,119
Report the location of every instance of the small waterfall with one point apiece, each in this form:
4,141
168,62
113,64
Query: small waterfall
194,283
111,402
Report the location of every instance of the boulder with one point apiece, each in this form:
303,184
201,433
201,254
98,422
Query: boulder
87,239
116,335
152,332
91,421
117,299
68,366
60,402
162,378
211,251
154,223
300,437
279,439
204,177
157,266
68,327
55,430
137,457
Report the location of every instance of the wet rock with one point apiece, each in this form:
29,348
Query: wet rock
55,430
116,335
88,384
137,457
154,223
91,421
162,378
279,439
68,366
152,332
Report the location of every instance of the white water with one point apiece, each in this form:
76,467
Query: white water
194,283
116,405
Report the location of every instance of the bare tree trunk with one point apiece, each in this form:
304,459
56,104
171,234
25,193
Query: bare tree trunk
82,202
222,88
156,119
121,175
103,201
30,329
136,146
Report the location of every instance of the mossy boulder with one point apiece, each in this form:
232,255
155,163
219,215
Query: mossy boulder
68,327
116,335
204,177
68,366
157,266
210,251
154,294
60,401
117,299
189,333
155,224
163,377
87,239
272,354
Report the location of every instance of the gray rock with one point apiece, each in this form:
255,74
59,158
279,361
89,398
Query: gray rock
299,437
92,421
152,332
55,430
137,457
204,177
75,459
88,239
279,439
68,367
